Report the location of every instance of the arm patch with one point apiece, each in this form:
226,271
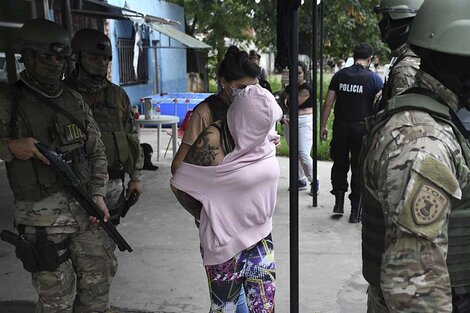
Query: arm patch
426,202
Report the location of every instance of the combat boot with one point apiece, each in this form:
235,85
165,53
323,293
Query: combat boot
355,216
148,152
339,203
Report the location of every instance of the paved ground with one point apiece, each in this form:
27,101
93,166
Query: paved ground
164,274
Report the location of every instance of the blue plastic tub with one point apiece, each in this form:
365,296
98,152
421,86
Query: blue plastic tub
175,103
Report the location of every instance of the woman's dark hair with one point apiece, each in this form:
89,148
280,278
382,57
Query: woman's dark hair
236,65
304,69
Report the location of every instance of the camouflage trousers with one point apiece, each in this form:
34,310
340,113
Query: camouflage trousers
114,188
82,283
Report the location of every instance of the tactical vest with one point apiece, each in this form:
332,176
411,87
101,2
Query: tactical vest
354,97
373,230
32,180
388,86
217,107
122,149
387,89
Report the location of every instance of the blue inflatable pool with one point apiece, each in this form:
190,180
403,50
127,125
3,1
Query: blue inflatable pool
175,103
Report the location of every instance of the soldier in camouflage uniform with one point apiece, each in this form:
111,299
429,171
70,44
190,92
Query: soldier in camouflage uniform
416,176
39,108
397,16
112,111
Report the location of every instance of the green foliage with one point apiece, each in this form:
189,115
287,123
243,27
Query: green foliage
213,88
240,22
283,149
323,147
346,23
276,84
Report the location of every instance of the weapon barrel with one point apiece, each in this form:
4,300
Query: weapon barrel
81,195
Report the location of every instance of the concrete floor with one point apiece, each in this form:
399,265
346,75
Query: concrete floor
164,274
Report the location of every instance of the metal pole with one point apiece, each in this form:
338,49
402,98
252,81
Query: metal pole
315,98
7,37
10,57
156,83
322,16
68,25
41,8
294,161
67,16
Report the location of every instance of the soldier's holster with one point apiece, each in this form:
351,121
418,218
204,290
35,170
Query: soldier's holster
43,254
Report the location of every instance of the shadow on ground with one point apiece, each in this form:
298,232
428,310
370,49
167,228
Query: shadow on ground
29,307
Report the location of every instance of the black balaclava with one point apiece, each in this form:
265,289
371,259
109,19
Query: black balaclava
91,74
394,32
451,70
42,73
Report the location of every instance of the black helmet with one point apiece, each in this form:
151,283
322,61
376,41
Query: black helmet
399,9
397,16
91,41
44,36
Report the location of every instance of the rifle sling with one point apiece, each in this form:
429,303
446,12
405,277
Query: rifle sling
16,96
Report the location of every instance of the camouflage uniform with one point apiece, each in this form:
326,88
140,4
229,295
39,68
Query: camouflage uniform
402,74
123,108
81,284
395,25
413,167
111,109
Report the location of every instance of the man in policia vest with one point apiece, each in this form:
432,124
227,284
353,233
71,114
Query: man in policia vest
415,176
112,111
397,16
75,261
352,91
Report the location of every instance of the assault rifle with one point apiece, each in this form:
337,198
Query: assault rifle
81,195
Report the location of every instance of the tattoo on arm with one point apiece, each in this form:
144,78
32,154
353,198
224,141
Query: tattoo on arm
202,152
189,203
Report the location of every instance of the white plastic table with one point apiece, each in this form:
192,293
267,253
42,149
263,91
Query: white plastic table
159,121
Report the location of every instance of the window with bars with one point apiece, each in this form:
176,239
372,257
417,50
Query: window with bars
126,69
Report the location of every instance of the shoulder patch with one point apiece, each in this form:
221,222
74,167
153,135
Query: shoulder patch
428,205
440,174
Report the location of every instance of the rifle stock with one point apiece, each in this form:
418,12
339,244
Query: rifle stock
81,195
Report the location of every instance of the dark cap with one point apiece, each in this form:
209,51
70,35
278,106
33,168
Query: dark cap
363,51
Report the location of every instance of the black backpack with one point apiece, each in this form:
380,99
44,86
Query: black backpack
217,106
